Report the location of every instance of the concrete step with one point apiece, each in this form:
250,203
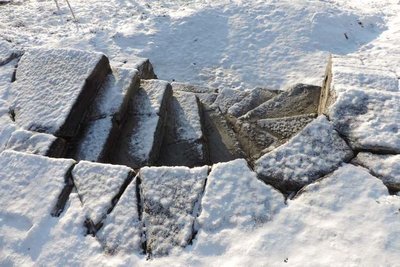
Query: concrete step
104,121
184,143
55,87
142,134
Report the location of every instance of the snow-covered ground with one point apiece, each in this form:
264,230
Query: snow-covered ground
224,43
346,219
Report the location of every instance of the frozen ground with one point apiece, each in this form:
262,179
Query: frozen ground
346,219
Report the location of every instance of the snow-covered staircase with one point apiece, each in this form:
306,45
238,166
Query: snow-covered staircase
140,148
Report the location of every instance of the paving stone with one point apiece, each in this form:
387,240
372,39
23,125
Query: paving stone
99,187
36,143
298,100
13,138
255,98
184,143
55,88
385,167
122,229
315,151
143,132
235,198
221,139
103,123
36,182
368,119
345,73
7,52
171,198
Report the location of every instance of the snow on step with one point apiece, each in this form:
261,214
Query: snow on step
108,111
142,134
99,187
385,167
369,119
170,197
30,187
122,229
221,139
55,87
297,100
143,65
184,143
255,98
235,198
228,97
312,153
206,95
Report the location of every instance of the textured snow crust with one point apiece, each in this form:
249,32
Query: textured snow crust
171,199
97,185
315,151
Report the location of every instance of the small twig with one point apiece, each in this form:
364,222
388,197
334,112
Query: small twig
72,12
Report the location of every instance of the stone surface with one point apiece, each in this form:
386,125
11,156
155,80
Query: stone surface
221,139
99,187
184,143
142,134
286,127
369,119
385,167
143,65
106,115
30,187
228,97
171,198
55,87
235,198
297,100
178,86
122,229
255,98
314,152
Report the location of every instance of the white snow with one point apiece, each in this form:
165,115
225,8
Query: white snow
6,51
235,198
385,167
228,97
114,95
170,197
30,142
122,231
48,84
6,75
312,153
370,119
150,97
345,219
97,184
349,73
